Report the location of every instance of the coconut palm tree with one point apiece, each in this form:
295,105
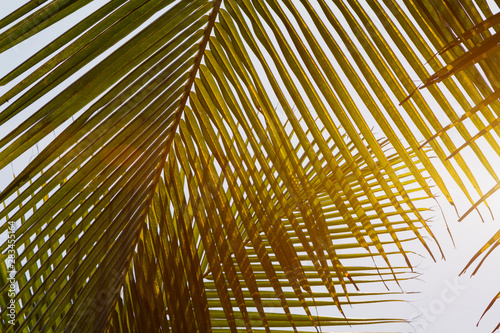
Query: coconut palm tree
205,161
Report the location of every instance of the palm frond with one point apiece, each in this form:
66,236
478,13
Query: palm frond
472,57
215,157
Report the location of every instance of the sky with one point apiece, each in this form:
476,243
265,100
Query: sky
447,302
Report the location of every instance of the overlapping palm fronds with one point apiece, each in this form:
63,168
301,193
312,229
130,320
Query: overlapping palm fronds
472,58
215,159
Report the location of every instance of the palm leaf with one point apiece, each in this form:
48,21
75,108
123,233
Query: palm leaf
474,46
213,160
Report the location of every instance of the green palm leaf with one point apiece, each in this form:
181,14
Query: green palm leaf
213,160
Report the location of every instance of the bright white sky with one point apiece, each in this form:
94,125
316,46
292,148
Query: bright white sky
449,303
